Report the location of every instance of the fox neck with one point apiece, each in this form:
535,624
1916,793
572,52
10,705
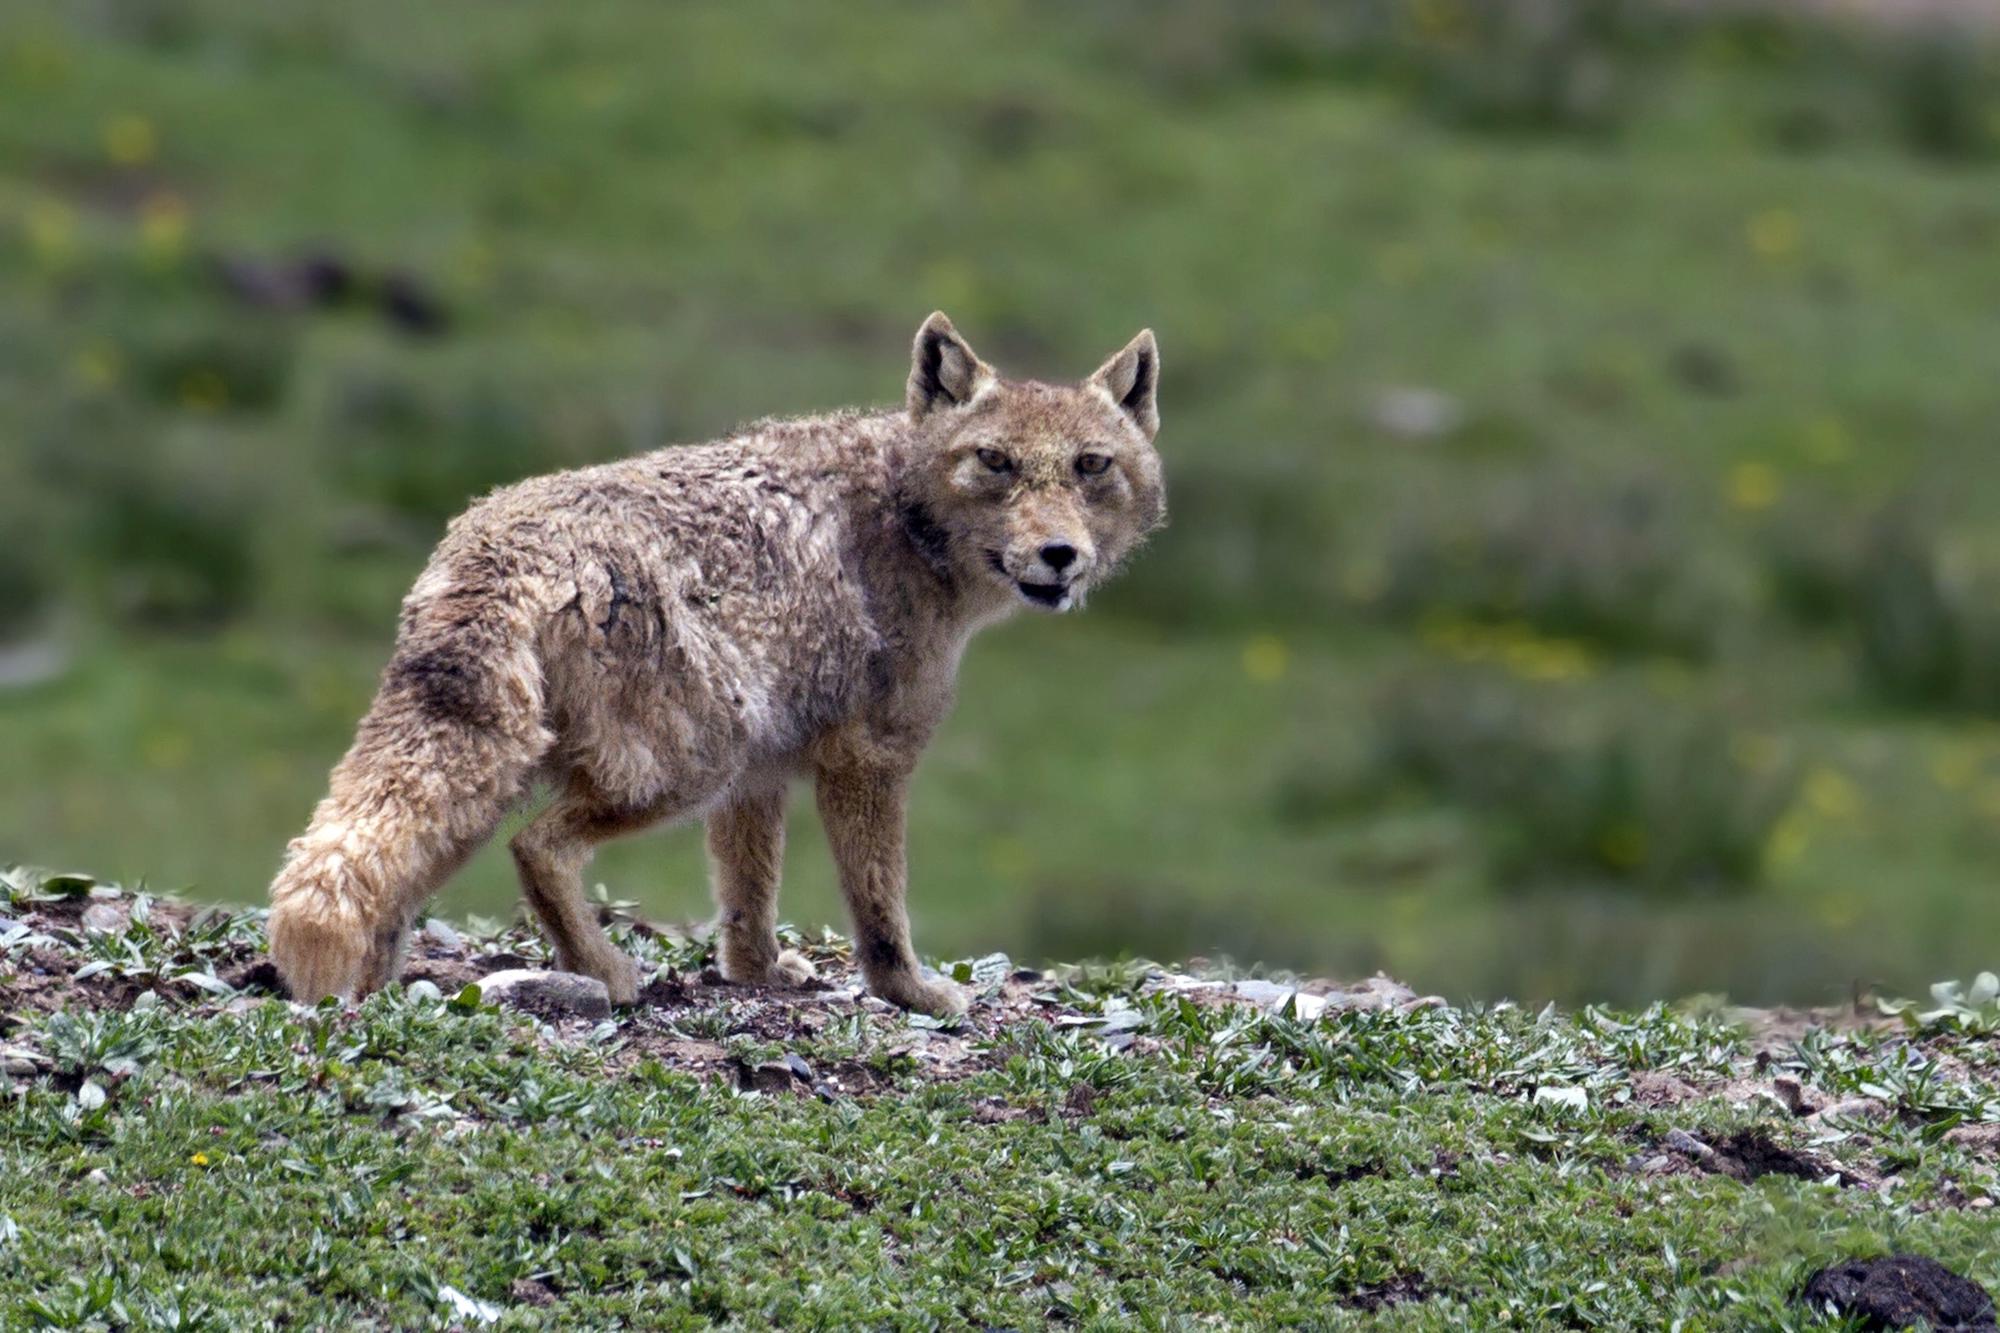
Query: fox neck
917,556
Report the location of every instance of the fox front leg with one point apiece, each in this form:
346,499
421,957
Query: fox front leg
863,810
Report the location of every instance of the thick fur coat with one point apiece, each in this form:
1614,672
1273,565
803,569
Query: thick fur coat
679,635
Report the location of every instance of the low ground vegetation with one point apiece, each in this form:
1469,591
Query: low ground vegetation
1099,1145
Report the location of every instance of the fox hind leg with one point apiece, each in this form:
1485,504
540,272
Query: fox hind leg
550,854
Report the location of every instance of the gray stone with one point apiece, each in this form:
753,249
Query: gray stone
21,1062
110,917
1795,1096
1687,1144
1413,412
771,1078
547,994
1982,1137
441,934
1273,995
1857,1108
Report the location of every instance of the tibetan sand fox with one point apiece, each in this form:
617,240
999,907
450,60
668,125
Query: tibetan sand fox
680,634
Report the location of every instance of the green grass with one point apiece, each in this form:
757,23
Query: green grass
1086,1150
648,224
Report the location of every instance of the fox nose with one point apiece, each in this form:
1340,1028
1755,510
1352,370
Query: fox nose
1058,556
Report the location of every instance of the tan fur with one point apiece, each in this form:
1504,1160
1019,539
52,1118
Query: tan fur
679,635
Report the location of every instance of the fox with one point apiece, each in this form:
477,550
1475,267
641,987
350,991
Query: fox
682,634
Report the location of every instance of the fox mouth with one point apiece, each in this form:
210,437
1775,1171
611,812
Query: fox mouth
1053,595
1048,596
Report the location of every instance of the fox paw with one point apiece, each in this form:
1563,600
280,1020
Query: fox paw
792,968
939,999
789,968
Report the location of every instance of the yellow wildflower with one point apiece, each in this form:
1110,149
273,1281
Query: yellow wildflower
1753,486
1265,658
1774,233
163,225
1832,794
130,140
98,365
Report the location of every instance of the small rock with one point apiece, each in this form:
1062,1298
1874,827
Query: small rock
111,917
424,990
1857,1108
411,307
1793,1095
530,1291
547,994
1273,996
771,1078
1377,992
97,1177
441,934
260,976
1414,413
1687,1144
1979,1138
1902,1291
1653,1087
800,1069
21,1062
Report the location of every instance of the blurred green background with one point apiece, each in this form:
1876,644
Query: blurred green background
1580,419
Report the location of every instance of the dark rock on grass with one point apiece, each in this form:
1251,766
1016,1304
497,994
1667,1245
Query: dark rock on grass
773,1078
1401,1289
410,306
260,977
1751,1153
1901,1291
318,279
531,1291
547,995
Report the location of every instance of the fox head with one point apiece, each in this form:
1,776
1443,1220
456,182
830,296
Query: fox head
1035,490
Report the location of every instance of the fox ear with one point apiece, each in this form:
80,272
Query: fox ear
944,370
1132,380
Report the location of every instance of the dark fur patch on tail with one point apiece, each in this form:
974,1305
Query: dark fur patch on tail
446,684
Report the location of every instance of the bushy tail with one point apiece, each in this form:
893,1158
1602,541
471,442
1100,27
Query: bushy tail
443,752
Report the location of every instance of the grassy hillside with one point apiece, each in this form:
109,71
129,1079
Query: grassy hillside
1580,443
1099,1146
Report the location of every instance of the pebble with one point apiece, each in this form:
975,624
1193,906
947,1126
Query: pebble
108,918
21,1062
1856,1108
441,934
1415,413
561,994
1687,1144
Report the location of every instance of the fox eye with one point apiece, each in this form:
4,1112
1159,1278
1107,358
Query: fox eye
995,461
1093,465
